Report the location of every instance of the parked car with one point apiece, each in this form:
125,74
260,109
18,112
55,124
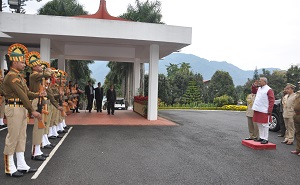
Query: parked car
121,104
277,117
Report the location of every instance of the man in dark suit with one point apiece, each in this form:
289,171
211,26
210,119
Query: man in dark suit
99,97
111,99
89,92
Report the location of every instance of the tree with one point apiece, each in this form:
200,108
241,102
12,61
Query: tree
62,8
255,74
192,94
179,78
293,75
277,81
78,70
221,84
149,12
164,92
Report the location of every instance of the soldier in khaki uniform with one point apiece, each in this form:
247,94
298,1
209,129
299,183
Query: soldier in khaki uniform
54,117
2,101
288,113
17,95
297,122
252,127
52,106
35,81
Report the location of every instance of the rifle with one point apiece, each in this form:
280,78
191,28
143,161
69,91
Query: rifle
41,106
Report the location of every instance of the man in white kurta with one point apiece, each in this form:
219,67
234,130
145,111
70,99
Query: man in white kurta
263,106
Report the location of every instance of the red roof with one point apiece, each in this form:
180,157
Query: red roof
102,13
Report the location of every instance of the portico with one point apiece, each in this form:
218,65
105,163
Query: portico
96,39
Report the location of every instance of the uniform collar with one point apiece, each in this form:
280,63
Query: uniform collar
14,70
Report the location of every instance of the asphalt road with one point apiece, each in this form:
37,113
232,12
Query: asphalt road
205,148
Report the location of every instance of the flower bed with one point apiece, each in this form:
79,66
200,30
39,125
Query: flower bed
225,107
140,105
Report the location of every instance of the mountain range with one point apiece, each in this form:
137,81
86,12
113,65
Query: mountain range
198,65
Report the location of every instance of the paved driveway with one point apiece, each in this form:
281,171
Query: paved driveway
205,148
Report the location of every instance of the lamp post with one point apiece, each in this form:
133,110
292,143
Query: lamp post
15,4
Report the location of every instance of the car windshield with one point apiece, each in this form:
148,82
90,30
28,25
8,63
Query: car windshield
119,101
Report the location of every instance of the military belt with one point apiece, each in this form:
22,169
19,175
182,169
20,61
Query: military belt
14,102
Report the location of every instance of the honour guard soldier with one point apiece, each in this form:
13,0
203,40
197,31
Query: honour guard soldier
2,101
52,106
35,82
55,114
297,122
16,110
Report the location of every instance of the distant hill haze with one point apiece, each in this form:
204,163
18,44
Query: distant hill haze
198,65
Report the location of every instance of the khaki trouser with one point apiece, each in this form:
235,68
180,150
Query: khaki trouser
253,129
16,125
54,117
297,131
2,107
49,116
60,118
290,129
37,133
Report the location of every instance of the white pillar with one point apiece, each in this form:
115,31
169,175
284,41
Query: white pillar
153,82
61,62
136,76
45,49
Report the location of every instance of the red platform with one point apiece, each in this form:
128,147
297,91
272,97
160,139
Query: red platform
258,146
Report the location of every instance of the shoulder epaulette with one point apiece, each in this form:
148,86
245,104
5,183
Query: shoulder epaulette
16,80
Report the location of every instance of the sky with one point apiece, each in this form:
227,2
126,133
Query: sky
245,33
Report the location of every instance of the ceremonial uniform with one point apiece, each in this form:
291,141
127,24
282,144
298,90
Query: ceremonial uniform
35,80
17,95
54,120
297,122
288,113
2,101
52,105
252,127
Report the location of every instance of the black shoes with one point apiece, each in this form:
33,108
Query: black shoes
16,174
47,147
45,155
30,170
264,141
258,140
62,131
248,138
38,158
